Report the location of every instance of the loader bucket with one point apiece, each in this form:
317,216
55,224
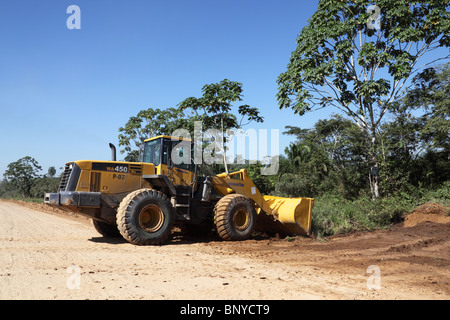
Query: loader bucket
293,213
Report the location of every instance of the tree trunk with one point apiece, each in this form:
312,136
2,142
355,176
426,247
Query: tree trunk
223,148
373,180
374,166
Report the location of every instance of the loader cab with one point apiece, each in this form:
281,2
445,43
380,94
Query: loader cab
171,156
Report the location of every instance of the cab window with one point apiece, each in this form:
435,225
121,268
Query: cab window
152,152
166,152
182,153
173,146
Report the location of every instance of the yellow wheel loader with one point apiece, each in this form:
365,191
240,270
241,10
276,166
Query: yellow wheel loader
142,201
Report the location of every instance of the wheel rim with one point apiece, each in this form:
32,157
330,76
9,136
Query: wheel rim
241,219
151,218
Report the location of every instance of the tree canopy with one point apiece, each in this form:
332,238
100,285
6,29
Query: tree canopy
345,61
214,109
146,124
21,174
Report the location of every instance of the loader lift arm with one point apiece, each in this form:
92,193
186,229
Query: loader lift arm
287,215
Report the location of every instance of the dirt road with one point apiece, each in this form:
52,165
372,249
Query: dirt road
51,256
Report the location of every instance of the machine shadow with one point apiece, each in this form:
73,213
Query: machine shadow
179,237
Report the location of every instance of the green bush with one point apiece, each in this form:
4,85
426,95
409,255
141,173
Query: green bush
440,195
333,214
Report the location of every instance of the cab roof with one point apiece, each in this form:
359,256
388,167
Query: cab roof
167,137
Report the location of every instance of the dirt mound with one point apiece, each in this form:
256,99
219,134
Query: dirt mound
428,212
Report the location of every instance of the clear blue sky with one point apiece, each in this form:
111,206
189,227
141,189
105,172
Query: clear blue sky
64,93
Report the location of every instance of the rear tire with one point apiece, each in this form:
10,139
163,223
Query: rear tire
145,217
234,217
106,229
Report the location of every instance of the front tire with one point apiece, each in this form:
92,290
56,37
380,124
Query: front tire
234,217
145,217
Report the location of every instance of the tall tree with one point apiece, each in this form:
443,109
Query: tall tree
214,109
146,124
22,173
346,61
51,171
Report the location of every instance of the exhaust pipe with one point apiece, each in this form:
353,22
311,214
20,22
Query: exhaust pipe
113,152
